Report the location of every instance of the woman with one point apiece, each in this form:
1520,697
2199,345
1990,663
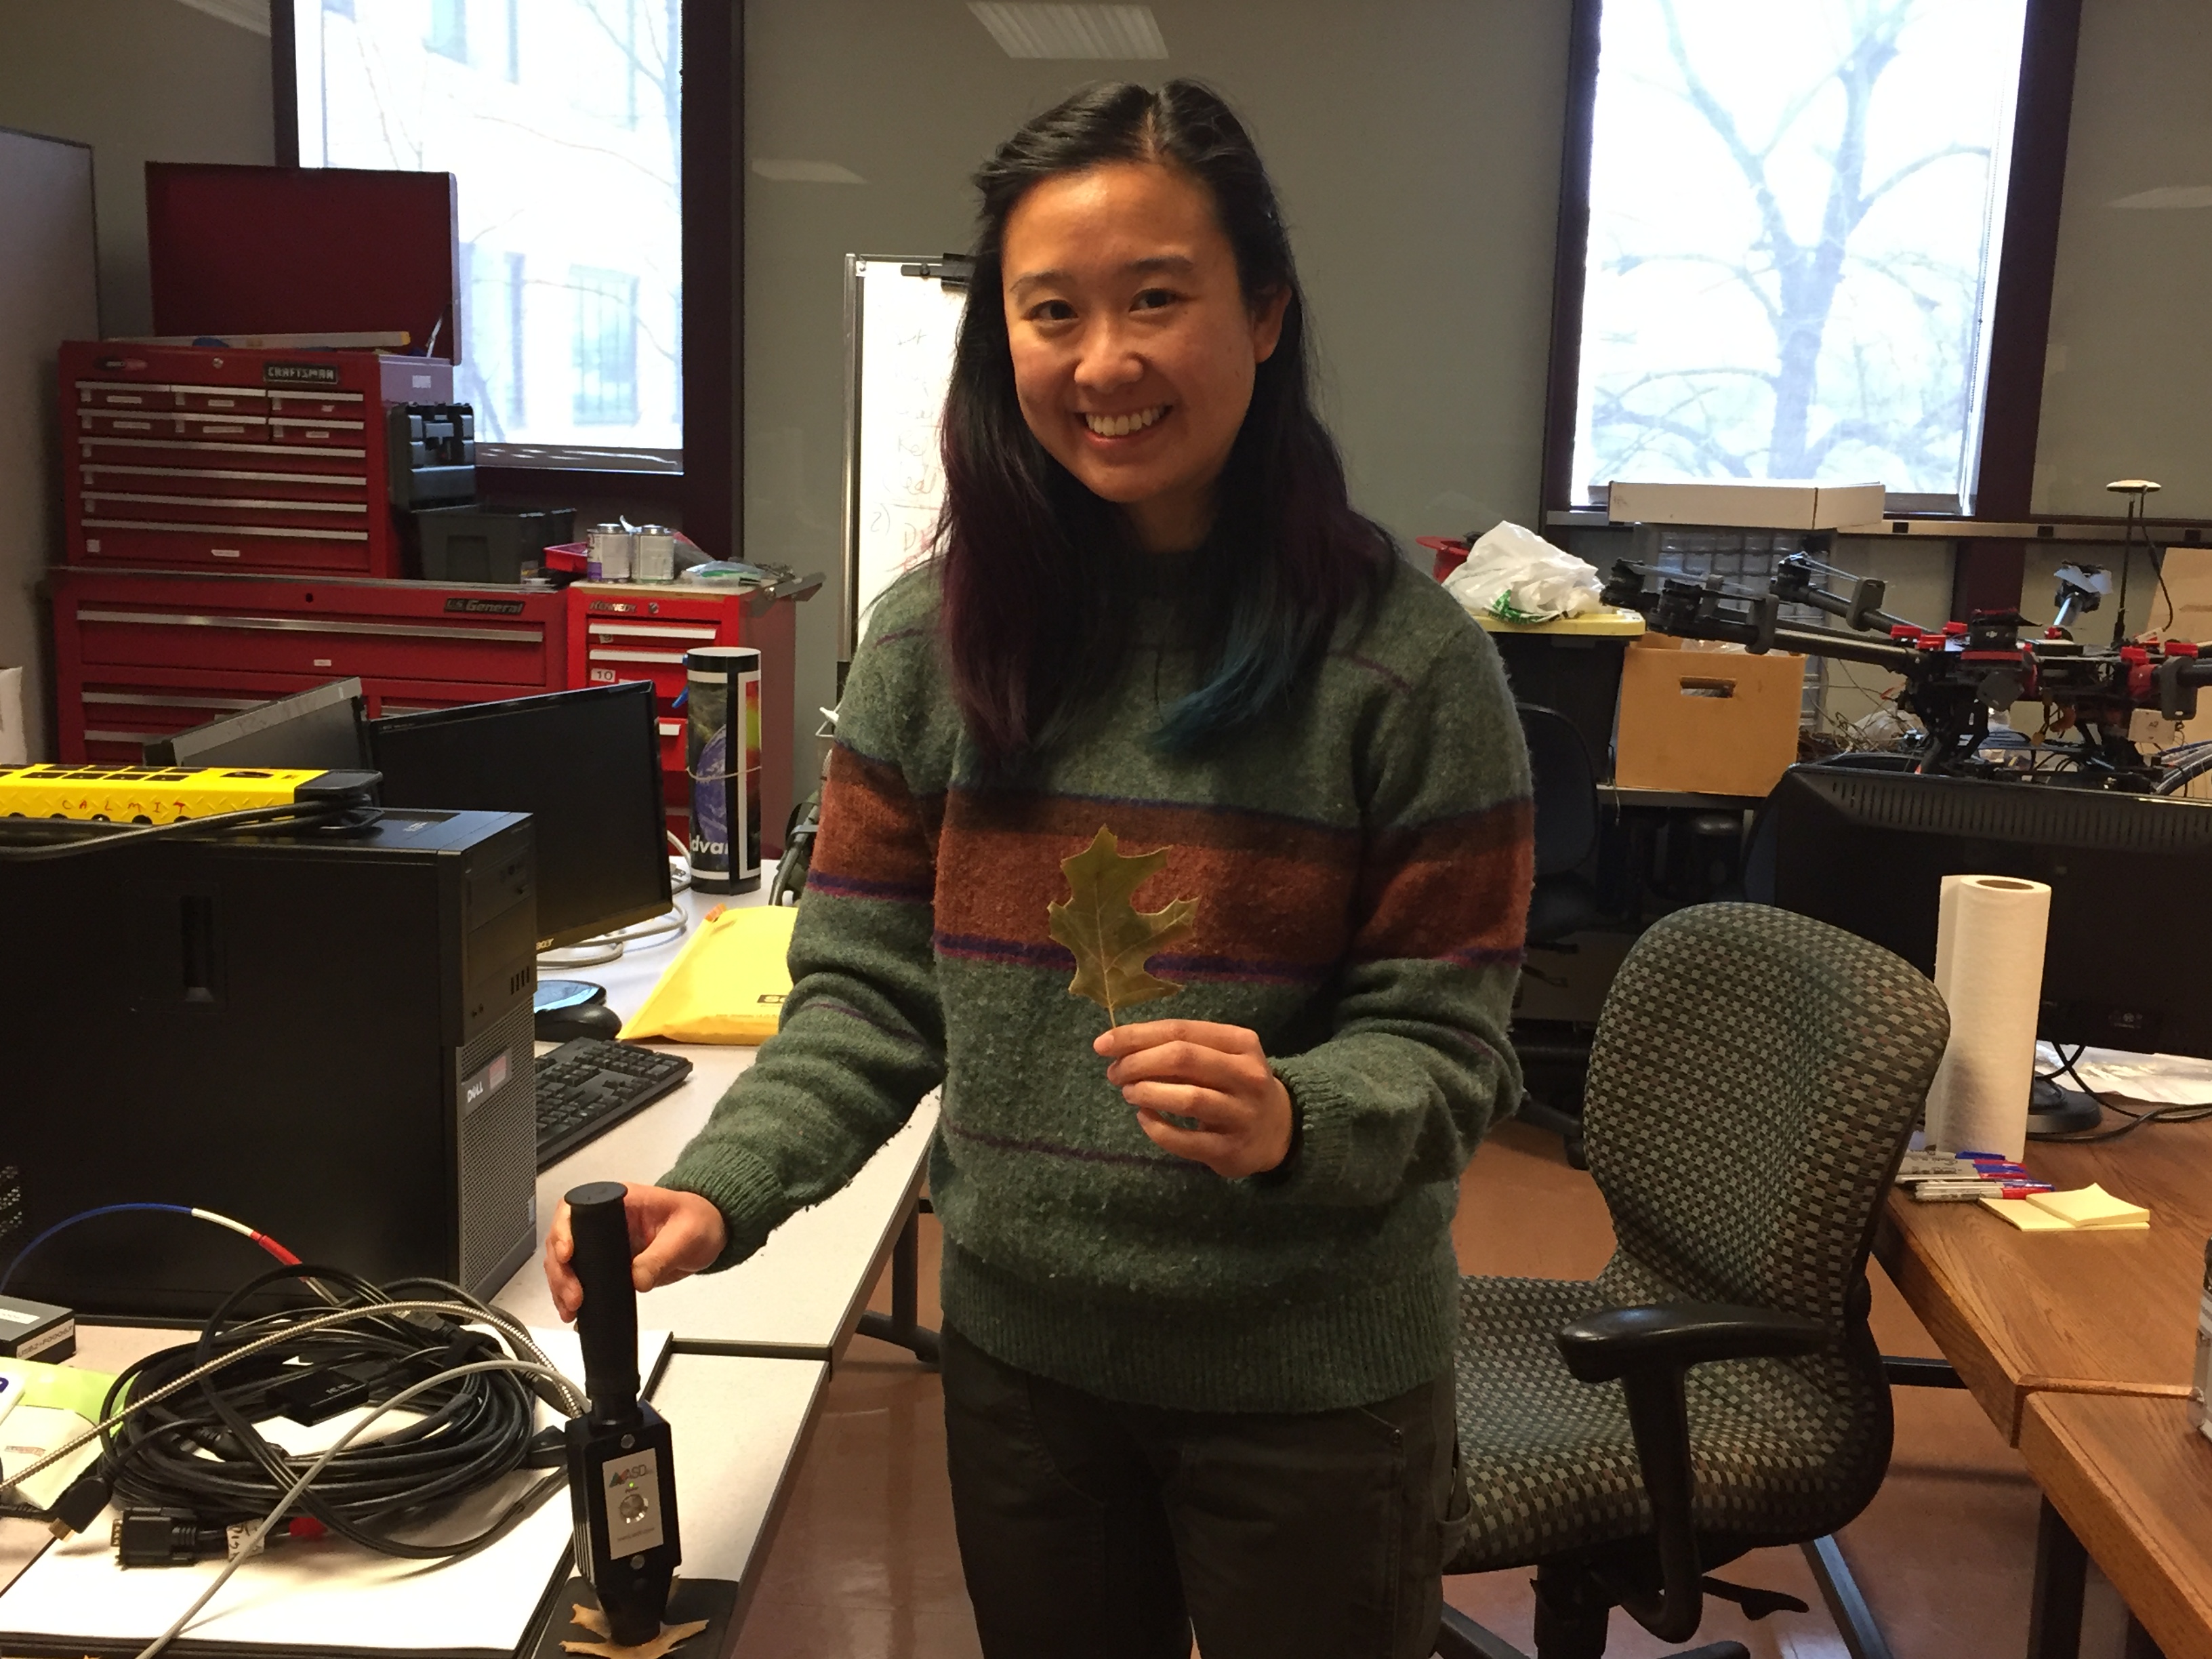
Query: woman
1199,1301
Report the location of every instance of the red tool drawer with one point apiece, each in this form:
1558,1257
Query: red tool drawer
636,631
140,653
213,458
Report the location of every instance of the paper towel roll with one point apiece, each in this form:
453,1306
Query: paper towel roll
1988,968
14,741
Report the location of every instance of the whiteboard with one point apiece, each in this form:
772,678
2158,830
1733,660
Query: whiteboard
901,317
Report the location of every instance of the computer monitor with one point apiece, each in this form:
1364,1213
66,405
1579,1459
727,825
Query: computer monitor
585,765
319,728
2130,880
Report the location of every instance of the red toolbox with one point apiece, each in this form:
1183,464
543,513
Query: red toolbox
142,653
640,631
213,458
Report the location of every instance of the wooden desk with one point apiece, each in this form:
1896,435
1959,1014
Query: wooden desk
2019,1313
2133,1482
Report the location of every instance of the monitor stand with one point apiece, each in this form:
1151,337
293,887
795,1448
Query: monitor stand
567,1008
2052,1110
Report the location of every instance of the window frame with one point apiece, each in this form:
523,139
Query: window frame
2019,323
705,493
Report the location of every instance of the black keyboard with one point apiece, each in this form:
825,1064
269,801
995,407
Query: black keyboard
587,1086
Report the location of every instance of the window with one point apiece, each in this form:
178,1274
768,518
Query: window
449,30
577,165
606,347
490,377
1796,213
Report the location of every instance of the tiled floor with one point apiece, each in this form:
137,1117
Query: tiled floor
866,1567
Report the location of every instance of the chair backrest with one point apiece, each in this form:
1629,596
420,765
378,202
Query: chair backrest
1754,1078
1563,788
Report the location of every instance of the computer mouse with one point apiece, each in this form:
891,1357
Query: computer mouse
588,1019
567,1008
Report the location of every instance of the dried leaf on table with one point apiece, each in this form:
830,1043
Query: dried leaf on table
1110,938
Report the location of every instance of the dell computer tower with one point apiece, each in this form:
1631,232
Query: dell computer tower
323,1035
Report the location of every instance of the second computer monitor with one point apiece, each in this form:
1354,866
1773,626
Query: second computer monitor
585,765
2130,880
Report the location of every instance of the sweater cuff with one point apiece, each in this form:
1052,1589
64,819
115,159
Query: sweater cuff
1322,1139
744,1188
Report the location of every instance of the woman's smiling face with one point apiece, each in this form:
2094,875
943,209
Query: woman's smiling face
1133,349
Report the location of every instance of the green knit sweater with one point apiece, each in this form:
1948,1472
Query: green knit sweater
1361,861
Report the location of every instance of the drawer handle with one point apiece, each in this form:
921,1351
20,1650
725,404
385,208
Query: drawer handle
301,625
675,659
288,533
651,631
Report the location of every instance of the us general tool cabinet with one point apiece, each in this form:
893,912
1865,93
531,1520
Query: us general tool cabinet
641,630
142,653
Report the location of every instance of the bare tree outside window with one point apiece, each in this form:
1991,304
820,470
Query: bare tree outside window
562,121
1794,225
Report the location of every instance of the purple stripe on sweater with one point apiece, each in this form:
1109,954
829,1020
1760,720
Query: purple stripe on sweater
1396,681
897,634
1476,958
1200,809
821,881
832,1006
978,948
1053,1149
1239,970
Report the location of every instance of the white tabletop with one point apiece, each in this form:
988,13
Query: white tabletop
801,1294
738,1425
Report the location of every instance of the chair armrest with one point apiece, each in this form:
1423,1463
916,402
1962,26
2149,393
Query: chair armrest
1650,1350
1676,1335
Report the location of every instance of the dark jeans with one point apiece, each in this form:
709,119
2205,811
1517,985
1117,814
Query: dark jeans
1091,1530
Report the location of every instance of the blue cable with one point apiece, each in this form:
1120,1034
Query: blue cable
82,1215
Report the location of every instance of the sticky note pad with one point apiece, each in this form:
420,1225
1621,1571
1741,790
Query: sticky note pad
2023,1214
2090,1208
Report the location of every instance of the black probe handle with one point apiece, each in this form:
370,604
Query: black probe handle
606,1324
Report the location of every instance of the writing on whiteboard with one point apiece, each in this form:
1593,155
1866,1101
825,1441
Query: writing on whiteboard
908,328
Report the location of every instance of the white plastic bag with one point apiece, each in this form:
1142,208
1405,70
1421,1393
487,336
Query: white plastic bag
1517,576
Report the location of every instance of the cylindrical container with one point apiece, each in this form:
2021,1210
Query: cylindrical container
1988,968
2200,1381
612,549
654,557
722,752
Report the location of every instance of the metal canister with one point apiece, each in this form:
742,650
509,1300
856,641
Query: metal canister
722,753
612,549
2200,1381
654,557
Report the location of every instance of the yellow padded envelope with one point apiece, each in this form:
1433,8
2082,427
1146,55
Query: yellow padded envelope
728,982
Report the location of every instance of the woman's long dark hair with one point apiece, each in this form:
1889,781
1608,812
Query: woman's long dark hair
1036,572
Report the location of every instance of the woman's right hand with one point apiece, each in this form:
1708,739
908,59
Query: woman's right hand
672,1235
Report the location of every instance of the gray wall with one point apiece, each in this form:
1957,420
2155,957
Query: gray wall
2127,389
46,296
139,81
1417,149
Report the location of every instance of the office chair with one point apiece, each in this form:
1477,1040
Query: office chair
1716,1389
1563,787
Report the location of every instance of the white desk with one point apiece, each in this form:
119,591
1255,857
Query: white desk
800,1297
738,1424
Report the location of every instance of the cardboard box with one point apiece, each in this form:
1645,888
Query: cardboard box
1705,721
1746,504
2188,572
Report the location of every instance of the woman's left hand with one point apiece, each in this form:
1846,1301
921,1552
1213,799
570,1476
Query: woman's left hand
1215,1075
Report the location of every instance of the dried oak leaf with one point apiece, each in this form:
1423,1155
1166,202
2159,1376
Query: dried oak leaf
1110,938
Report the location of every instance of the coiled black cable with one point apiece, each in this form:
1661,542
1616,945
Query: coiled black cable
199,1449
